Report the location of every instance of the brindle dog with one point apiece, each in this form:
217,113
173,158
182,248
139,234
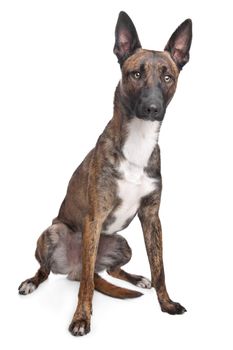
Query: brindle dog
117,180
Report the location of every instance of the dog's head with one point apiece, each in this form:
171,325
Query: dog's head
149,77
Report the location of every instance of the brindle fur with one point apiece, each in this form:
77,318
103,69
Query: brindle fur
75,243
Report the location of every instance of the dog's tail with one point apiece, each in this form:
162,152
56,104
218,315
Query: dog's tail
107,288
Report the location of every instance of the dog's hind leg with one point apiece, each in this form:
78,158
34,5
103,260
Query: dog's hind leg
137,280
120,254
29,285
42,255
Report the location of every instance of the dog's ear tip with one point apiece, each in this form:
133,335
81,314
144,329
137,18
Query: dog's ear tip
122,13
123,16
188,22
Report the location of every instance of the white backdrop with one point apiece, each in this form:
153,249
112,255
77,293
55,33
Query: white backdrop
57,79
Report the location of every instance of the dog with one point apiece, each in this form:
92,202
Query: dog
119,179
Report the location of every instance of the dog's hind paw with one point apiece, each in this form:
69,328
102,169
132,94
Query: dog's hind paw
26,287
144,283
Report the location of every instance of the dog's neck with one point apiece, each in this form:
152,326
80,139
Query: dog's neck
136,137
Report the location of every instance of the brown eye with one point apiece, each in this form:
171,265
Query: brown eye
136,75
167,78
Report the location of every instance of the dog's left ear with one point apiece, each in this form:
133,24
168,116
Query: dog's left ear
126,38
179,44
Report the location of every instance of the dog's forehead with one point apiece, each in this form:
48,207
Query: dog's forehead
151,59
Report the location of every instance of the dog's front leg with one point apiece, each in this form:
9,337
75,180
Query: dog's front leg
80,324
148,215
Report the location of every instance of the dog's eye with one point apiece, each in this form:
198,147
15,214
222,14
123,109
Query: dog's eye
167,78
136,75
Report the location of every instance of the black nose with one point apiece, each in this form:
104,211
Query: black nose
152,110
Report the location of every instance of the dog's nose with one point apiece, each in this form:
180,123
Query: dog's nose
152,110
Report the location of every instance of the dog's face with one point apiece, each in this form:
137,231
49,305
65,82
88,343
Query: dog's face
149,78
148,83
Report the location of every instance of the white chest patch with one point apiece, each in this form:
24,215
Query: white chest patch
141,140
135,183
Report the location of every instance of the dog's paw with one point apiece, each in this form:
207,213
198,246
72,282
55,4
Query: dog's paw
26,287
173,308
144,283
79,327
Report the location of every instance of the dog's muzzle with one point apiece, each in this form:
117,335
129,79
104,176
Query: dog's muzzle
150,106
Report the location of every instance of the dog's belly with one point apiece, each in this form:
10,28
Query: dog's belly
134,185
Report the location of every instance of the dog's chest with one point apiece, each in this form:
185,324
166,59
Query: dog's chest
134,183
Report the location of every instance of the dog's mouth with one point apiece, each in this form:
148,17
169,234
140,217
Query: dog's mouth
150,117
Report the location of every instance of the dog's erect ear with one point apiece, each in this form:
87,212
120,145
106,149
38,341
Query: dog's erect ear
126,38
179,43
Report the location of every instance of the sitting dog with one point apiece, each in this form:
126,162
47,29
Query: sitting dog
119,179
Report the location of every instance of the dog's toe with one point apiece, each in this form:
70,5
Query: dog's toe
79,327
173,308
26,287
144,283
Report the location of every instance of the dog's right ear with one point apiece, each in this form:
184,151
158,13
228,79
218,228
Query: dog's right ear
126,38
